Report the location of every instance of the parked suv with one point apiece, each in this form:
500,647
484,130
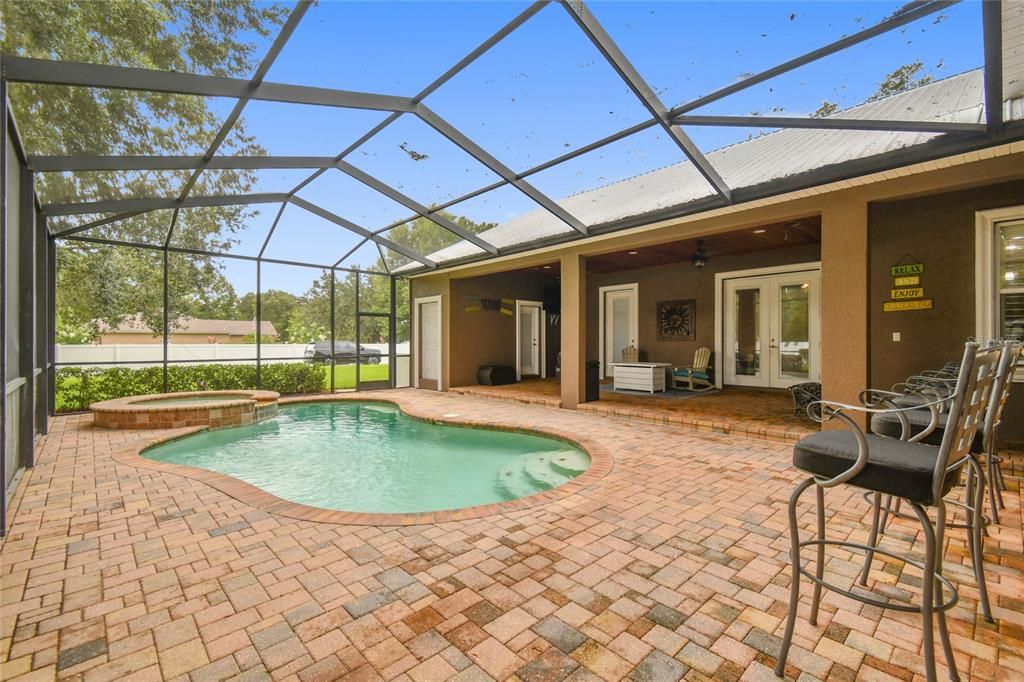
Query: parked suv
344,353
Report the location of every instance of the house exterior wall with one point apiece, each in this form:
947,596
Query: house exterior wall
937,230
680,281
852,310
487,337
844,305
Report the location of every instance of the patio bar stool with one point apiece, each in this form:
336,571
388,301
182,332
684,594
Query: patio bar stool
920,474
922,426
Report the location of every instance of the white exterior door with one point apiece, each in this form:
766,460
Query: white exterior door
619,323
529,341
429,333
772,330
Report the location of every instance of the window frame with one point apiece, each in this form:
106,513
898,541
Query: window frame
987,290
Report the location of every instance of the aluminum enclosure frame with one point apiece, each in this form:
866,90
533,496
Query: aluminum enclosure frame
955,136
23,69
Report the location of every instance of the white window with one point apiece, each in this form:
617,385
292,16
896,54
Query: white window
999,274
1010,249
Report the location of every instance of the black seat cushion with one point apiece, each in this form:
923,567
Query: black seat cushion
893,468
888,424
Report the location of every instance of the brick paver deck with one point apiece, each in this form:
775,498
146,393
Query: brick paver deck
672,565
763,414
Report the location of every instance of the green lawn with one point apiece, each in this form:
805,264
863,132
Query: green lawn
345,375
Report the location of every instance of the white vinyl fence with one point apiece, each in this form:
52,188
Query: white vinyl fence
85,355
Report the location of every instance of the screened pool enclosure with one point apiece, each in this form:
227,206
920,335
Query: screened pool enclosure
297,199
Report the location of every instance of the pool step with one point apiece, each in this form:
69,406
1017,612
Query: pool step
569,463
513,483
538,471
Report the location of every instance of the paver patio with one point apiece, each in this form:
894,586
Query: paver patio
673,565
765,414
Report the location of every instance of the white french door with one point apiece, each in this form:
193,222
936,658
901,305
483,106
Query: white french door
772,329
619,322
529,339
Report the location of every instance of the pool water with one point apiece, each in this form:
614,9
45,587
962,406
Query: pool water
370,457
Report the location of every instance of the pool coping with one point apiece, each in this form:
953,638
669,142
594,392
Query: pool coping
601,464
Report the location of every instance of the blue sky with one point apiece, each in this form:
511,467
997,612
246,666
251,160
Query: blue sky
544,91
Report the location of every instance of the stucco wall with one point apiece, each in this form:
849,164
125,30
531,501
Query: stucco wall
680,281
939,231
487,337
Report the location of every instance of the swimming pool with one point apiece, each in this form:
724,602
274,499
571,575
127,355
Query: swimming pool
370,457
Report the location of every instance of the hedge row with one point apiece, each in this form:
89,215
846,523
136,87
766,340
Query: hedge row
79,387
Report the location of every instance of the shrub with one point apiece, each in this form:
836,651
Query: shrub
294,378
79,387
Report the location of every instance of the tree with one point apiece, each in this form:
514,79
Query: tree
276,306
902,79
199,37
423,236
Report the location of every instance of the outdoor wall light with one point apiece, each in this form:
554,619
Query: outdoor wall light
699,258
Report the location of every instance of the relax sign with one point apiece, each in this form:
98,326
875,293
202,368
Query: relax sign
907,269
907,294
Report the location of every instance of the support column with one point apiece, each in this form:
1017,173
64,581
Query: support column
574,330
844,300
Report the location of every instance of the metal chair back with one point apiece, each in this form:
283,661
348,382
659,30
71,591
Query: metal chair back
1001,392
975,384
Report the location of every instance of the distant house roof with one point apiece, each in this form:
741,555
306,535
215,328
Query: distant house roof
192,325
770,157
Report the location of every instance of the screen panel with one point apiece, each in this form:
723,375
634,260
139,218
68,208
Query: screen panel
341,194
527,105
413,158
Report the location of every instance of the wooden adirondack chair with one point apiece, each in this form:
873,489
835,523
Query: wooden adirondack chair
696,377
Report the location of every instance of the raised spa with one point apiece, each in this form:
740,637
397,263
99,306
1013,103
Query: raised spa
370,457
216,409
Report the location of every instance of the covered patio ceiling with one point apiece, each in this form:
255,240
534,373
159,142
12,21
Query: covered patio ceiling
969,111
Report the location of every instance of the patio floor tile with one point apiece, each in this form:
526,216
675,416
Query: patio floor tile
670,565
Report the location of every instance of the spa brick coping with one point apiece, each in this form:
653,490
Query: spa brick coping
600,465
224,409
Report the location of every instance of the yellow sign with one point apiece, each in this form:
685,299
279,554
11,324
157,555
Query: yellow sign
899,306
910,281
900,294
908,269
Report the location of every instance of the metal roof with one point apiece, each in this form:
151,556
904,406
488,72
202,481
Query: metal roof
1013,49
773,156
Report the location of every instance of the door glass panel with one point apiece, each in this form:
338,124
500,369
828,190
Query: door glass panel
526,341
747,344
620,326
795,336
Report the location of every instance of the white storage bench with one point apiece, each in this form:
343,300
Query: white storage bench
639,376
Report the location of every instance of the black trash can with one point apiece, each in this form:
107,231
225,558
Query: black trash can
593,381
